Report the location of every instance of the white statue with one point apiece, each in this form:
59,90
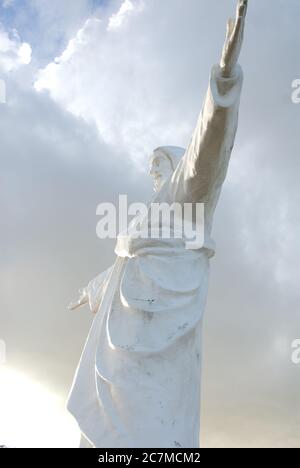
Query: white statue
138,380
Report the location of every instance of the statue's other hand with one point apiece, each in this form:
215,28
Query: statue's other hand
234,39
83,299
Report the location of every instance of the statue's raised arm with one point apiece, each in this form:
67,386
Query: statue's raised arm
203,168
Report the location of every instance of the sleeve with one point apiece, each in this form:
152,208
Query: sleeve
203,168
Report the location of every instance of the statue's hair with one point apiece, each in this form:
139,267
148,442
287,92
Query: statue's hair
172,153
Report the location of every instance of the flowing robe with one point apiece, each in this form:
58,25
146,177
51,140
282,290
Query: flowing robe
138,380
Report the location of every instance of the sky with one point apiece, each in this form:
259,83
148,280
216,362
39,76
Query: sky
92,87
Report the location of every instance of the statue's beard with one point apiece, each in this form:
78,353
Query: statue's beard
158,183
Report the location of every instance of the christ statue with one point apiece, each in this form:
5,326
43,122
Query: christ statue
138,381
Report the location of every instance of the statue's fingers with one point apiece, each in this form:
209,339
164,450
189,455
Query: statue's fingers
231,24
242,9
239,27
83,300
73,305
230,28
83,295
239,22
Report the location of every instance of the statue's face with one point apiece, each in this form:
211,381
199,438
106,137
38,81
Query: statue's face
160,170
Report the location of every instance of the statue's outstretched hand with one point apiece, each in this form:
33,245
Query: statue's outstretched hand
83,299
234,39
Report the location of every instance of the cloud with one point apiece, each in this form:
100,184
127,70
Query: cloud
7,3
13,52
116,20
120,84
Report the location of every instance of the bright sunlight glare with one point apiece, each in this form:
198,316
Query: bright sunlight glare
31,416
